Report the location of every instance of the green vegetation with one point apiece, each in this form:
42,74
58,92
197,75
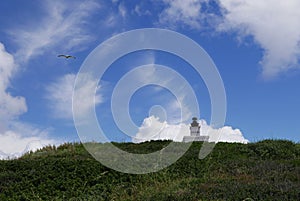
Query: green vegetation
266,170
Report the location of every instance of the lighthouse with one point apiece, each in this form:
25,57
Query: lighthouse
195,132
195,128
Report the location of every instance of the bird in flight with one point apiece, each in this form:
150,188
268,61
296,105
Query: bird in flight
67,56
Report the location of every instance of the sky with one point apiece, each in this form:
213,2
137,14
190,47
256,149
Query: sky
255,46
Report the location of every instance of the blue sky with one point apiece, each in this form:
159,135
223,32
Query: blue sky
254,45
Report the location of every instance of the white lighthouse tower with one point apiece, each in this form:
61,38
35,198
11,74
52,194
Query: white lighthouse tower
195,133
195,128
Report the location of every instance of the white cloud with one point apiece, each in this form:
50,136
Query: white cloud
10,107
60,95
153,129
173,92
122,10
140,11
16,138
21,137
274,26
223,134
178,11
181,109
19,140
169,79
63,27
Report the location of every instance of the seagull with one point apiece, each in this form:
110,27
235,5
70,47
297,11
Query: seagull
67,56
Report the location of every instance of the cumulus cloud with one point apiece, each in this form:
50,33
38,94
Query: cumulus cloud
153,129
64,23
13,145
21,138
16,138
274,25
10,106
60,95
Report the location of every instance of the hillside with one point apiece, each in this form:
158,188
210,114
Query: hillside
266,170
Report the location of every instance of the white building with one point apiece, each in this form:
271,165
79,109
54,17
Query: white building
195,133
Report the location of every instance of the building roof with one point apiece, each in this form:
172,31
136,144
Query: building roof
195,122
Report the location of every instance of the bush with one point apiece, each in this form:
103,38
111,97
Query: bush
266,170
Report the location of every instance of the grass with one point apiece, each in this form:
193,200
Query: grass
266,170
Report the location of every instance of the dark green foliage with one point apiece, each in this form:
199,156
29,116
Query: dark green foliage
266,170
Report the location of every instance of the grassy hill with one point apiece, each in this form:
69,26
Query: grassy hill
266,170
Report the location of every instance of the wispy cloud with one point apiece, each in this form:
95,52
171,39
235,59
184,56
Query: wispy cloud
60,93
173,92
179,12
141,11
122,10
64,26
